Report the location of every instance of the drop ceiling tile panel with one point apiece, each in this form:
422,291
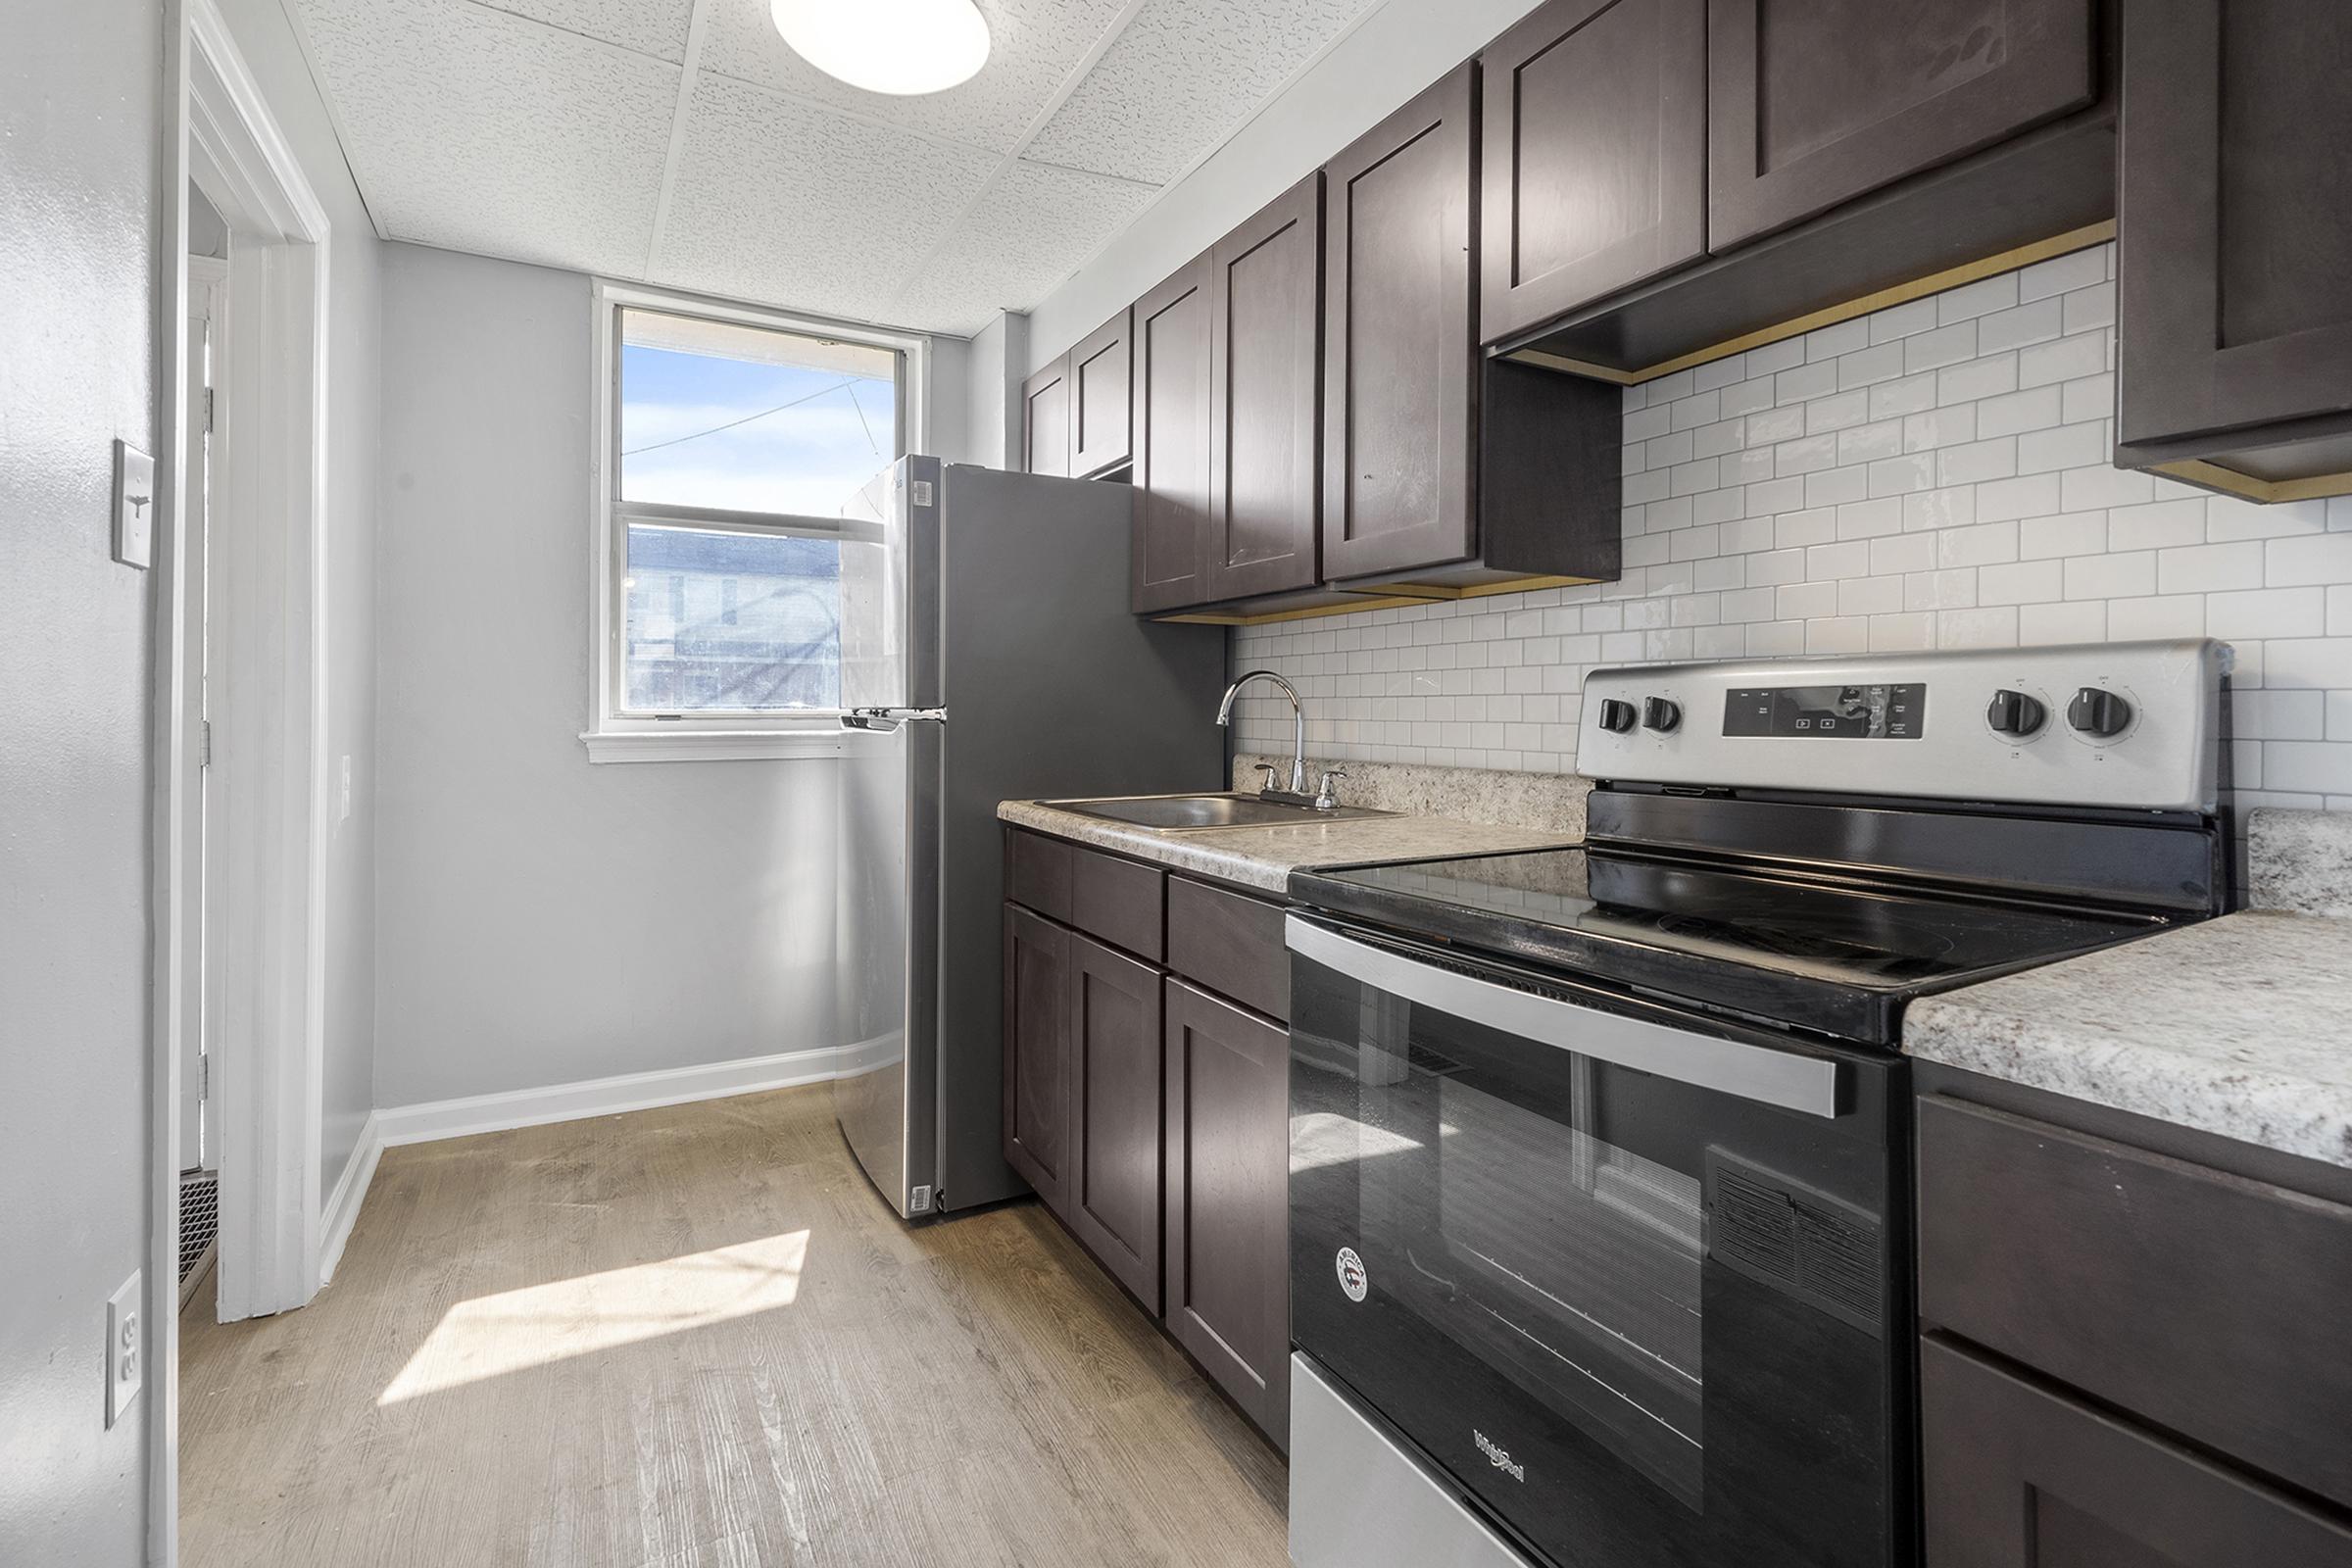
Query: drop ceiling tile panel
1034,229
1182,77
477,131
1033,46
656,28
781,201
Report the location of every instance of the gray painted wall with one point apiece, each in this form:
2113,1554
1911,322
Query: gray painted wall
1399,49
542,919
78,147
266,40
999,363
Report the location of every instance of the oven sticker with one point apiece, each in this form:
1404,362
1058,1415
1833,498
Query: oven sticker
1500,1459
1351,1275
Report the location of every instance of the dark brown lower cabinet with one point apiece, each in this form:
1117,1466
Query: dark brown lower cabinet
1112,1198
1228,1145
1149,1113
2018,1475
1037,1056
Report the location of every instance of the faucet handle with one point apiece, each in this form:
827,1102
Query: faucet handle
1327,795
1270,771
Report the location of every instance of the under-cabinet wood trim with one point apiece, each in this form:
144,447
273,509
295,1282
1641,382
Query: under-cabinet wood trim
2214,476
1382,596
1951,277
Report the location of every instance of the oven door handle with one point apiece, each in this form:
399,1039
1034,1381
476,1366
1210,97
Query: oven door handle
1760,1073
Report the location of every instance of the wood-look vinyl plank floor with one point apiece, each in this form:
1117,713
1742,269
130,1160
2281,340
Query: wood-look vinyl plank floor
695,1338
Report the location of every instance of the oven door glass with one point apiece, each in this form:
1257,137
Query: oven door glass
1642,1317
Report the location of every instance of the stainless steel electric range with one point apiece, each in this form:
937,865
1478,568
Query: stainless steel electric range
1599,1180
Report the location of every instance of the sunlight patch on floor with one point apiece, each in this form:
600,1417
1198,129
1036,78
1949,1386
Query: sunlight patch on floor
515,1331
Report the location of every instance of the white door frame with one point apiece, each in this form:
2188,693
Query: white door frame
265,894
207,301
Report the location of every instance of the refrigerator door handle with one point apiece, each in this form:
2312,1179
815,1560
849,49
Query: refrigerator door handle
886,720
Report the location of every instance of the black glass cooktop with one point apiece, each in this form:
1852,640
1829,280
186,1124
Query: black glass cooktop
1839,958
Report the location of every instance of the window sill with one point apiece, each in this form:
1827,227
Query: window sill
710,745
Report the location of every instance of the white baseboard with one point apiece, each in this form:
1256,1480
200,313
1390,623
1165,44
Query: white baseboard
602,1097
342,1209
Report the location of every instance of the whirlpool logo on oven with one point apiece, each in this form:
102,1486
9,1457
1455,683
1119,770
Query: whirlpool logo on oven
1500,1458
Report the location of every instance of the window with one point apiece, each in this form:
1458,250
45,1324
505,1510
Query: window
733,441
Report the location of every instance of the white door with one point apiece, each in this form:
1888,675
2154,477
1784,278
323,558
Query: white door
207,297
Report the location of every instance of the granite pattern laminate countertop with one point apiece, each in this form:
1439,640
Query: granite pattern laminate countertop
2240,1026
1263,857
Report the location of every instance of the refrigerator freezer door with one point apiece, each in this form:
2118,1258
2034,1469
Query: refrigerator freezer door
890,587
886,963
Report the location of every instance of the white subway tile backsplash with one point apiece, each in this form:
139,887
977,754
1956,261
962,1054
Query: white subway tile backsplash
2035,409
2087,397
1981,298
2209,569
1983,545
2085,354
2060,275
2161,616
2022,582
2036,323
2156,524
2064,533
1902,320
1936,475
2311,559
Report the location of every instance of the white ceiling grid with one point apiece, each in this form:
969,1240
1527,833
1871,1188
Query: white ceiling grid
541,130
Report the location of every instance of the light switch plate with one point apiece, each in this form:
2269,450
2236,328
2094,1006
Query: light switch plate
126,1349
134,505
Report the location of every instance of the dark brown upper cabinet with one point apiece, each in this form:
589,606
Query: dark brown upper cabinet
1045,420
2234,312
1444,471
1170,360
1102,396
1400,340
1596,154
1811,103
1265,360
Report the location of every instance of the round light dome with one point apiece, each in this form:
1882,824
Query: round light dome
901,47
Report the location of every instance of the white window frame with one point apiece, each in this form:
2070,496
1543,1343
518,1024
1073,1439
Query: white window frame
615,736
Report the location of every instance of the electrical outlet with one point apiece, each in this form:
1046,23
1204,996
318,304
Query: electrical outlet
135,504
126,1349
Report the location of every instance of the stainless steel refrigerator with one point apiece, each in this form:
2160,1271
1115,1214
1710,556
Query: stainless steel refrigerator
987,654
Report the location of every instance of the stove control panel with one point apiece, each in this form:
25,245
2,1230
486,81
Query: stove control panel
2135,725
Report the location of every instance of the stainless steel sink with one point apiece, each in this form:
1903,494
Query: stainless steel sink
1185,813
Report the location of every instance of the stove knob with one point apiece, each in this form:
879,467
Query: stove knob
2015,714
1615,716
1661,714
2099,712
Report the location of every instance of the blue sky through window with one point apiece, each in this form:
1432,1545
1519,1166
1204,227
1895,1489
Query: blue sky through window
697,430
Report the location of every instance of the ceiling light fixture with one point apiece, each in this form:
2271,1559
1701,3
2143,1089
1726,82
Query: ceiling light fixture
901,47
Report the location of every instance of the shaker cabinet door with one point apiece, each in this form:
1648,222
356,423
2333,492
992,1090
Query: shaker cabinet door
2235,282
1811,103
1101,394
1037,1053
2018,1475
1400,340
1228,1228
1594,155
1113,1193
1169,358
1265,281
1045,420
